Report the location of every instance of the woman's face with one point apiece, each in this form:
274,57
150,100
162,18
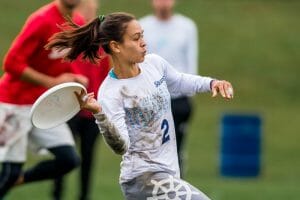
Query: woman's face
133,47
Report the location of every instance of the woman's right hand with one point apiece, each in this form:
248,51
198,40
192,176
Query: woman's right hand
88,102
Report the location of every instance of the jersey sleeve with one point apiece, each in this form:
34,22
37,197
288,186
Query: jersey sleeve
29,40
111,123
180,84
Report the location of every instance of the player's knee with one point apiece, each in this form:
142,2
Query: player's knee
69,162
11,178
66,158
72,162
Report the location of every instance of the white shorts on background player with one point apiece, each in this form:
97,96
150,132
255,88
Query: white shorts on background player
16,129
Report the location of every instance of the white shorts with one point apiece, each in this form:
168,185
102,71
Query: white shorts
16,129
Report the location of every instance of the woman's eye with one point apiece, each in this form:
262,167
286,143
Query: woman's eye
138,37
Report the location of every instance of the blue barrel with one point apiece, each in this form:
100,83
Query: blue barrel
240,145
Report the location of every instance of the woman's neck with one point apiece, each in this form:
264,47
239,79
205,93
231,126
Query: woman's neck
125,70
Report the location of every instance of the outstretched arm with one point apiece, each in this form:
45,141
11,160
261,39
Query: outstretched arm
188,84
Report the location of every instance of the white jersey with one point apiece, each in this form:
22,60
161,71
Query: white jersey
176,40
139,108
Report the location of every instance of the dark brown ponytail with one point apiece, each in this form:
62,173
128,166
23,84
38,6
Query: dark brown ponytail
89,38
78,39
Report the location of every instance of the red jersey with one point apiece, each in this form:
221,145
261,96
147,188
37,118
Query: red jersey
28,50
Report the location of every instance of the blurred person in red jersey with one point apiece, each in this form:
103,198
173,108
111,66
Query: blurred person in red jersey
29,70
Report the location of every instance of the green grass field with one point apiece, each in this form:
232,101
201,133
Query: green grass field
254,44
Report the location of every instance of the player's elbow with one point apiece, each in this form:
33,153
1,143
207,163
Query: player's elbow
6,65
116,142
119,149
12,66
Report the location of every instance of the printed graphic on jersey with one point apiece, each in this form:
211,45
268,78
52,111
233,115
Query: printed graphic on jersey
146,110
165,128
160,81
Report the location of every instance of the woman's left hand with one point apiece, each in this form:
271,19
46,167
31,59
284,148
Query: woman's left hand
223,87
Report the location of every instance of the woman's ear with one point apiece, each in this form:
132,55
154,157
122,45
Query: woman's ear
114,46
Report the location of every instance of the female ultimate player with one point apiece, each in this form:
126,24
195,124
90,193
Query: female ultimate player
135,113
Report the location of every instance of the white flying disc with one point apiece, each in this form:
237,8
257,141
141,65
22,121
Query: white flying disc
56,106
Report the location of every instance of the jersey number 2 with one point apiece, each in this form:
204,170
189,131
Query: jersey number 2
165,128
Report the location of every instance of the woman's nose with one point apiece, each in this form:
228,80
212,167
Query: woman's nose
143,43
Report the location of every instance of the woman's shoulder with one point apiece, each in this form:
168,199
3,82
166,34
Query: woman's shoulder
107,88
154,61
110,89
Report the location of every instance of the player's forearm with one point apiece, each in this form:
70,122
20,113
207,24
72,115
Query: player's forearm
195,84
35,77
111,134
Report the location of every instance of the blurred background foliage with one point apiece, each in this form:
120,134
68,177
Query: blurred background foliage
254,44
